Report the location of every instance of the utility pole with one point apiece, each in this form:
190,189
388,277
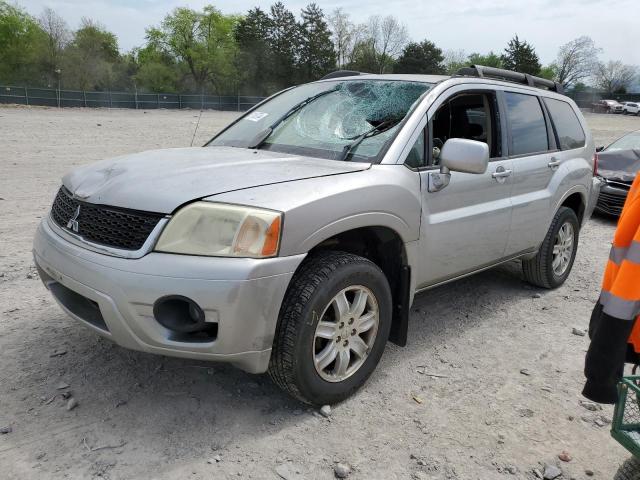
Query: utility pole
58,71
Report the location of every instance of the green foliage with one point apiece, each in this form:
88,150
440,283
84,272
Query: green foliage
284,38
202,40
521,57
489,60
364,58
21,40
550,72
423,57
90,59
317,56
253,62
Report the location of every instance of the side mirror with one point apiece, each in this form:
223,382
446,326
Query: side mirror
466,156
600,148
459,155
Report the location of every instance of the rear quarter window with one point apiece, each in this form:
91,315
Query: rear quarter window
568,129
528,127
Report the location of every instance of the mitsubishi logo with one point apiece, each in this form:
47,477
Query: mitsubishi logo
72,224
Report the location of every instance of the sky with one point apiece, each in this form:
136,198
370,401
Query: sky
469,25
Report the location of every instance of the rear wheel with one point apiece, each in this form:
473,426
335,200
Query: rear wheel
553,262
333,326
629,470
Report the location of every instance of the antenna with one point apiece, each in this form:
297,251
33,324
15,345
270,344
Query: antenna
196,129
199,116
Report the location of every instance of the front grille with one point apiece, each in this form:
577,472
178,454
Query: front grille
610,203
111,226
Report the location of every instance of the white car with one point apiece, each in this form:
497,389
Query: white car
631,108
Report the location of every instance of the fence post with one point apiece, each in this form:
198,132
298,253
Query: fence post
238,102
136,98
157,101
179,102
58,91
109,98
84,97
202,101
26,95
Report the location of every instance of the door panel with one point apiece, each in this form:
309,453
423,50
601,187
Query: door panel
532,145
466,225
532,196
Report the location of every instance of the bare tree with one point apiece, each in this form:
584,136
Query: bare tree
341,33
388,37
454,60
614,76
57,38
576,61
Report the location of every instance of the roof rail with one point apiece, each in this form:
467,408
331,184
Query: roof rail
510,76
341,73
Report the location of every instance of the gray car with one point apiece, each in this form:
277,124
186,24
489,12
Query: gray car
295,241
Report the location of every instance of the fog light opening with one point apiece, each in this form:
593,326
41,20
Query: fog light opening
179,314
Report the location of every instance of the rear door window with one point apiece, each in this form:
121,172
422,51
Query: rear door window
568,129
528,127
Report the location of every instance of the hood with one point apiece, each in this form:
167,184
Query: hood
620,165
162,180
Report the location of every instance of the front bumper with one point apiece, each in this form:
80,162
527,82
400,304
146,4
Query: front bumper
114,297
611,199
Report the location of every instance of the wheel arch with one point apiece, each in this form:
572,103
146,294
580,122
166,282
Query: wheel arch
385,247
576,200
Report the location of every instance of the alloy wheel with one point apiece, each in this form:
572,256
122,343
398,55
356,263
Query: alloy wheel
345,333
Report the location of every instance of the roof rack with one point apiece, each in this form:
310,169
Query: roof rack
341,73
510,76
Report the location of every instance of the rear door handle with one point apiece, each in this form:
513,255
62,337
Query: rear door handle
554,163
501,173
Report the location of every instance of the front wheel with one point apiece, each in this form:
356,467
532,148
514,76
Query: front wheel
333,326
553,262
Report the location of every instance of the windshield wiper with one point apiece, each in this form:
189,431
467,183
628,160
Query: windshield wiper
380,128
266,133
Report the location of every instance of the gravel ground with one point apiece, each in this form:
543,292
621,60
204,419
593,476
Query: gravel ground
488,387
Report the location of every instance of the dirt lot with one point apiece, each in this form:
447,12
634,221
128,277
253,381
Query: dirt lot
145,416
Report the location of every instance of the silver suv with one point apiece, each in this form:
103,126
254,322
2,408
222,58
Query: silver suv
295,240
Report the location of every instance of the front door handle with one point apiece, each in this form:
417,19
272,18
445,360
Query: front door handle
501,173
554,163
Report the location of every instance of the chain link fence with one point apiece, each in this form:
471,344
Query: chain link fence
79,98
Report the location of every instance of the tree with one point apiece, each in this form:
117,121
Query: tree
254,61
284,39
454,60
21,39
423,57
203,40
549,72
57,37
576,61
317,56
363,57
489,60
387,37
344,35
614,77
521,57
89,58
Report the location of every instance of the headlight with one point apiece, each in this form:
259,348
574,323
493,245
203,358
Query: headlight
220,230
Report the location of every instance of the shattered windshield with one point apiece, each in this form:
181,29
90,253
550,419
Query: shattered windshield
339,120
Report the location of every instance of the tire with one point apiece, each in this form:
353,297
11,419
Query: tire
539,270
629,470
317,283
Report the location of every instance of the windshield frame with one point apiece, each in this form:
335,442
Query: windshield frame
309,151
